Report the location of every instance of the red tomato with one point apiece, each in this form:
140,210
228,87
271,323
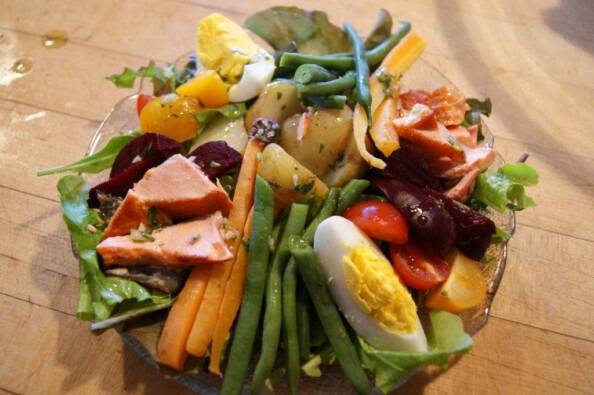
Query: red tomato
419,268
379,220
141,102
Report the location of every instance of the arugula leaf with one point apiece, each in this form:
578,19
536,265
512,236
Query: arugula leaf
232,111
500,236
505,189
311,31
381,30
520,173
101,160
164,78
446,337
98,294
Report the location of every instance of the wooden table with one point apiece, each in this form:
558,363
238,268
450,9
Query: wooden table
534,58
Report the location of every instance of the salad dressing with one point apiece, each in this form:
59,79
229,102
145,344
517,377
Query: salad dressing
55,39
22,66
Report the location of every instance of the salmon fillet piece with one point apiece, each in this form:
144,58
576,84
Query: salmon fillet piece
181,189
185,244
438,142
177,188
130,214
463,135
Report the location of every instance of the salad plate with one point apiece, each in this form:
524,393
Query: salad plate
325,214
142,337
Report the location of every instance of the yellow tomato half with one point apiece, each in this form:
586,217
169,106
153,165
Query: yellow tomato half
465,287
207,87
172,116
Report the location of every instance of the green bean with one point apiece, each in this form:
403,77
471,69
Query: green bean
350,194
304,334
315,281
249,315
326,211
308,73
377,54
273,314
345,61
338,85
294,60
333,101
291,327
362,81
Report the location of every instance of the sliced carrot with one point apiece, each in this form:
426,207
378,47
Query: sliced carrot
382,131
206,319
231,302
395,64
171,349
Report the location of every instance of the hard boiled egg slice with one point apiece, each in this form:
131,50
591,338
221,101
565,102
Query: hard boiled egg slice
366,288
254,78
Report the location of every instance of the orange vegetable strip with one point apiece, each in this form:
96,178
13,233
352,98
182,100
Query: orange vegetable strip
382,132
231,302
206,319
171,349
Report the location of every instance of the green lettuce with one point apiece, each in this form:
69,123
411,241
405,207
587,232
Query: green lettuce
506,188
101,160
99,295
381,29
310,30
231,111
446,337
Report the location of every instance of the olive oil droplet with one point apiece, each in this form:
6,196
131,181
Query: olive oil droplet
55,39
22,66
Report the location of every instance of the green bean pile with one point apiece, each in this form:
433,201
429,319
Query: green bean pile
285,284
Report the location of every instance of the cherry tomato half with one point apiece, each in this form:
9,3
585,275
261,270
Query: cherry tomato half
419,268
379,220
141,102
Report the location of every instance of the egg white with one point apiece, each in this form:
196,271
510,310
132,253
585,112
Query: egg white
333,240
253,80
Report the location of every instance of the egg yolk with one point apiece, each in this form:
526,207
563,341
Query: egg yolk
377,290
224,46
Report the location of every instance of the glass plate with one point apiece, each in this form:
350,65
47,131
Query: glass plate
143,335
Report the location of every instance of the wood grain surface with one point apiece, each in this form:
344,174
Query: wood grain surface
534,58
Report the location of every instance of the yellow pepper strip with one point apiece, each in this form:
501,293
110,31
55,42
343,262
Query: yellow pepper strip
360,126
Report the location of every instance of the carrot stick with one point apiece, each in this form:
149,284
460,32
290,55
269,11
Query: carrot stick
206,319
171,349
382,131
231,302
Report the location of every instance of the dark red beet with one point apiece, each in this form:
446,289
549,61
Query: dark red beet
406,165
153,149
423,213
144,146
215,158
473,229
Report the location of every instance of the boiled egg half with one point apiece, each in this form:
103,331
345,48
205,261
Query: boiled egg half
366,289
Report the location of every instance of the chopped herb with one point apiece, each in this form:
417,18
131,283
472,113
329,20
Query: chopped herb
141,235
321,148
454,143
284,107
304,187
388,81
279,95
338,162
195,239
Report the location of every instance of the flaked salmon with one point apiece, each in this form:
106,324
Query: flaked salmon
176,189
185,244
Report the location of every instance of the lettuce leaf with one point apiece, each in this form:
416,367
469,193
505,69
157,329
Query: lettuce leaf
231,111
310,30
98,294
446,337
101,160
505,189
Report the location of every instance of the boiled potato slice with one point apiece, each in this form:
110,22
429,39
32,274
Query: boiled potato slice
290,181
352,165
278,101
221,128
327,134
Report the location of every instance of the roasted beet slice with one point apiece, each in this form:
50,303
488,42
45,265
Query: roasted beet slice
215,158
143,147
473,229
423,213
406,165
